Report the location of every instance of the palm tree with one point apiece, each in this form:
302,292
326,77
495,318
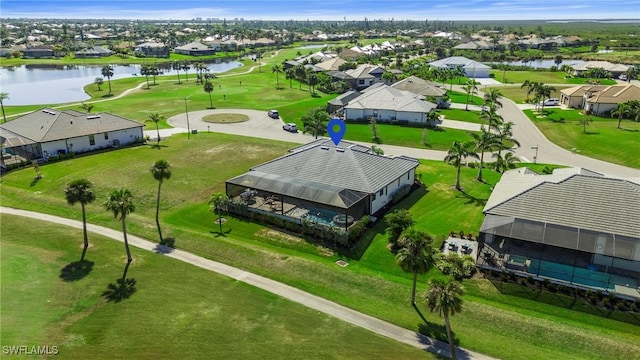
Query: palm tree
120,202
208,87
623,110
161,171
543,92
3,96
156,118
301,73
471,89
98,81
491,98
146,72
290,74
87,107
483,141
277,69
558,59
107,71
456,155
504,133
315,122
530,85
445,299
177,66
584,121
186,67
416,256
79,191
505,163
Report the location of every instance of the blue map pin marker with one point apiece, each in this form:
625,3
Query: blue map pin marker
336,136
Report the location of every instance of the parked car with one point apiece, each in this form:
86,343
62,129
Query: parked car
550,102
622,77
291,127
273,114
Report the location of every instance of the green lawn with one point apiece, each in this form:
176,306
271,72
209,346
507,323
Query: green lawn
518,77
177,311
601,141
461,98
519,95
491,322
471,116
411,136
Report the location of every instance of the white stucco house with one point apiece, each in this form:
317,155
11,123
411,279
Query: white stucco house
47,132
472,68
598,99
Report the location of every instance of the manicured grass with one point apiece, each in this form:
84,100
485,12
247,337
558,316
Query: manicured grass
177,310
227,118
491,322
518,77
601,141
461,98
411,136
519,95
471,116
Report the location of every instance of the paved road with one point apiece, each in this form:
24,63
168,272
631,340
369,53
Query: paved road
290,293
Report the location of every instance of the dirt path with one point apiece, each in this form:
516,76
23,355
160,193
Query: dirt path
290,293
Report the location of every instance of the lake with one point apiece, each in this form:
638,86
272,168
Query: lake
55,84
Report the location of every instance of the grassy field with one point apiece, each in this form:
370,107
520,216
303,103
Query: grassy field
546,77
519,95
218,315
471,116
601,141
491,322
438,139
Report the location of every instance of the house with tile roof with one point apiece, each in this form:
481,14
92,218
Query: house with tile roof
387,104
195,48
428,89
598,99
365,75
575,227
152,49
472,68
321,180
47,132
614,69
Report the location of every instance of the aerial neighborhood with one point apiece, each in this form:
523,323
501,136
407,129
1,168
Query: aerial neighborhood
392,189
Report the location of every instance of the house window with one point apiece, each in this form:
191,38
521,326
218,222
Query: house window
92,140
398,182
381,192
373,197
360,82
408,176
106,136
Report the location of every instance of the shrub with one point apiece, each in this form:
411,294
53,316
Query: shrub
400,193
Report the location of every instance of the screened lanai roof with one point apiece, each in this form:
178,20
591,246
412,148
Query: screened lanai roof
302,189
574,238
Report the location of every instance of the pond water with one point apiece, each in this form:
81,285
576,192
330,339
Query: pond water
54,84
315,46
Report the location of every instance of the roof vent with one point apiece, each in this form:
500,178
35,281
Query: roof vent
339,150
47,111
324,147
93,117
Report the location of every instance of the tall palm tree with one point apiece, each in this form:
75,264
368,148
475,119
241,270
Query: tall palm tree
290,74
107,71
277,69
416,256
490,114
156,118
120,202
492,98
543,92
3,96
504,133
79,191
186,66
445,298
529,85
301,73
161,171
623,110
145,71
456,156
208,87
315,122
471,89
177,66
483,141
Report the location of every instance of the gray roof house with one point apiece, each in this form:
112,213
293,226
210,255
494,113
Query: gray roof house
366,75
420,86
92,52
575,227
195,48
344,179
152,49
472,68
387,104
47,132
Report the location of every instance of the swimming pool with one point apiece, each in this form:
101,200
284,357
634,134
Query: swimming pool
320,216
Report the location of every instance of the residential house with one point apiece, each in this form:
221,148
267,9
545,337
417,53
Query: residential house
332,64
598,99
474,45
152,49
335,105
614,69
92,52
194,48
366,75
47,132
322,182
428,89
575,227
387,104
38,52
471,68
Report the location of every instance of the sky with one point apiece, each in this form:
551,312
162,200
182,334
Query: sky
322,9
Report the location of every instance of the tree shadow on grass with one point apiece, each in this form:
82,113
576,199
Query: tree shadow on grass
166,246
76,270
436,331
122,289
473,200
157,146
221,234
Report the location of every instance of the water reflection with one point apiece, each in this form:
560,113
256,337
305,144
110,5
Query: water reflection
39,84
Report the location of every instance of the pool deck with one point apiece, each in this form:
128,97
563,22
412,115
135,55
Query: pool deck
461,247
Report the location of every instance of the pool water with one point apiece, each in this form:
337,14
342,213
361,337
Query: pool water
321,216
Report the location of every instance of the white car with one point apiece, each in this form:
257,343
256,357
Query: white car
291,127
550,102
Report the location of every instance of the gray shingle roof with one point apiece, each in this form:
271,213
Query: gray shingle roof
579,200
419,86
49,125
459,61
346,166
384,97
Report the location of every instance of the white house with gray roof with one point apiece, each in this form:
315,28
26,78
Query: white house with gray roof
347,179
387,104
47,132
472,68
575,227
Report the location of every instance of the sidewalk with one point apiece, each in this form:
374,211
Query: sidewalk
290,293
